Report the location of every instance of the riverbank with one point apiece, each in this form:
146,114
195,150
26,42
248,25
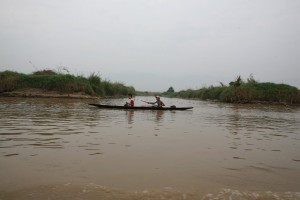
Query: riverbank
38,93
48,83
250,92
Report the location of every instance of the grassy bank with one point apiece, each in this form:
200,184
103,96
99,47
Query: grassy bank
244,92
48,80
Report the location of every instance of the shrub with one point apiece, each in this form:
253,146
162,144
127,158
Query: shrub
246,93
227,94
45,72
65,83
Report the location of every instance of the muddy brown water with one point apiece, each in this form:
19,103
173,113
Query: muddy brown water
66,149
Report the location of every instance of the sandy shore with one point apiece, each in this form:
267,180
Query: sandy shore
38,93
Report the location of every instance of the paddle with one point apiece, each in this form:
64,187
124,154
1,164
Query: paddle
147,102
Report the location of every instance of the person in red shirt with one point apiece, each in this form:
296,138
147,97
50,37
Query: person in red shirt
131,101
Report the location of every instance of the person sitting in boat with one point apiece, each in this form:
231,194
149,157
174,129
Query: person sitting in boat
131,101
158,102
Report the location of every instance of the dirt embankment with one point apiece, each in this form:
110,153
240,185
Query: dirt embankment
38,93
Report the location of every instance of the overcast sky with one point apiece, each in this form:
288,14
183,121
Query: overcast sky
154,44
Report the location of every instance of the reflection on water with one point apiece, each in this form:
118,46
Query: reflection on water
130,116
175,154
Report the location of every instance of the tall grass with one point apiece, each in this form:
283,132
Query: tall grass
95,83
9,81
64,83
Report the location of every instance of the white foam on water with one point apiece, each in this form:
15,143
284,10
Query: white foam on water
70,191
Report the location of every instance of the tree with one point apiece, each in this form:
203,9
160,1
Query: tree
170,90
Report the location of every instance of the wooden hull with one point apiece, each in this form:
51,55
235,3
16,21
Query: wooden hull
138,107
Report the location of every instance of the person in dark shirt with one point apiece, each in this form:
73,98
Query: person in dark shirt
158,102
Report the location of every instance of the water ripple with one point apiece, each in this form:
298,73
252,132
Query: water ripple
238,144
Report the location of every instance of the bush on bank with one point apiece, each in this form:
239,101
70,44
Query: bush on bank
48,80
250,92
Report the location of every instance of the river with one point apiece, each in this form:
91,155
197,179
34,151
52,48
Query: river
67,149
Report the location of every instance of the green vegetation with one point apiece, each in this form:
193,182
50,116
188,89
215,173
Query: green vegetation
49,80
239,91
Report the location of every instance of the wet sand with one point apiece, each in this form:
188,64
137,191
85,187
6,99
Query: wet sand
39,93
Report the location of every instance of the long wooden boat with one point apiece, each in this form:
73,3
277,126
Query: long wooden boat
139,107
